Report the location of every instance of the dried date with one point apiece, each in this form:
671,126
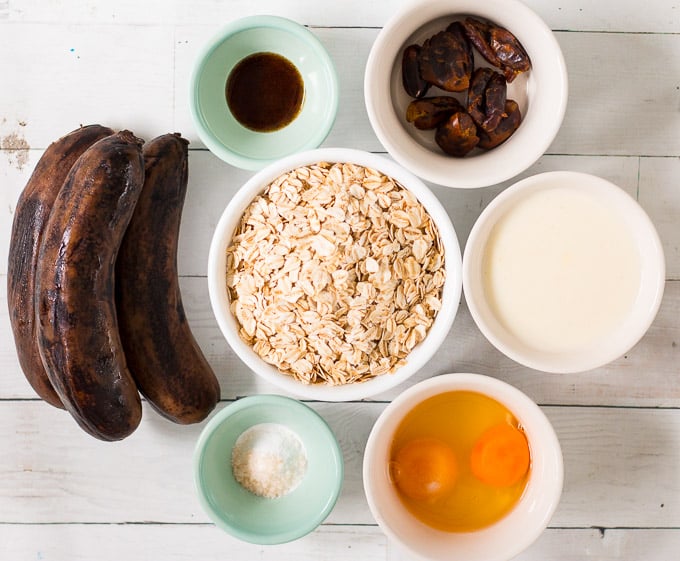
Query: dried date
507,126
478,33
446,60
430,112
486,98
499,46
510,52
457,135
414,85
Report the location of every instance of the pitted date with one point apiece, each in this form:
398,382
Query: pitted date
478,33
510,52
414,85
457,135
507,126
446,60
499,46
486,98
430,112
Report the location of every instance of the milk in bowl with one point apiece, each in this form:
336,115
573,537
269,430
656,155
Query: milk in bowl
563,272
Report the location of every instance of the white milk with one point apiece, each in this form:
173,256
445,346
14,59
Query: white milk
561,270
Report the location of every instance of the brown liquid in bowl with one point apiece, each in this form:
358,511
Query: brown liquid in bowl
265,92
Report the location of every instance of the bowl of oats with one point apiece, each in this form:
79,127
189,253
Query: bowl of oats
335,274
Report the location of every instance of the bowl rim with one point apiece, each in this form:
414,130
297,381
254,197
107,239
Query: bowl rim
509,396
253,401
604,190
244,24
418,357
481,170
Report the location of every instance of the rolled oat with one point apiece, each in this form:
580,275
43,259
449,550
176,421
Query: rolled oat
335,273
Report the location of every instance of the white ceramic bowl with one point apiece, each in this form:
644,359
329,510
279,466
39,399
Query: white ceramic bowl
498,542
541,93
615,338
421,353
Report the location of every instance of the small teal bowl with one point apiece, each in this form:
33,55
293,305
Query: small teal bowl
245,515
216,126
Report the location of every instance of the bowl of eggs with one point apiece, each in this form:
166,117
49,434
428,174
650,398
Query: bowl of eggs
267,469
464,93
463,466
262,88
334,274
563,272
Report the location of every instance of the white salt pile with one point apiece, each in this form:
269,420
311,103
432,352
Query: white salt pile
269,460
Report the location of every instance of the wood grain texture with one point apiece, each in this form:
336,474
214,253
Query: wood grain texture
77,542
620,468
615,107
81,74
660,197
592,544
645,92
144,542
661,15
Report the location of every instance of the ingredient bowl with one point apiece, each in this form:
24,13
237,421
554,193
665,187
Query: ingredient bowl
499,541
349,311
215,124
259,519
541,93
563,272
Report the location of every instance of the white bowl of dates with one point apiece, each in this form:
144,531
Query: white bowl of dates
465,93
263,87
334,274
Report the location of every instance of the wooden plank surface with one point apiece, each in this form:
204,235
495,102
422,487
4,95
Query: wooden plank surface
626,109
620,468
661,16
67,497
78,542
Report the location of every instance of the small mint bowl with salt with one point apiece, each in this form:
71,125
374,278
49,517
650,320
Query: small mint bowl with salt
267,469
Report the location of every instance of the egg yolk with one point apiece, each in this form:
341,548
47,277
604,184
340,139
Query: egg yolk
500,457
424,469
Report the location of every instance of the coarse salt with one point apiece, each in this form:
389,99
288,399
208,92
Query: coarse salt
269,460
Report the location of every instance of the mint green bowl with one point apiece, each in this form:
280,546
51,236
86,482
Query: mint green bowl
221,132
245,515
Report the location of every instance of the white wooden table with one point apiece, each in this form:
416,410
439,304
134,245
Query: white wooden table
66,497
